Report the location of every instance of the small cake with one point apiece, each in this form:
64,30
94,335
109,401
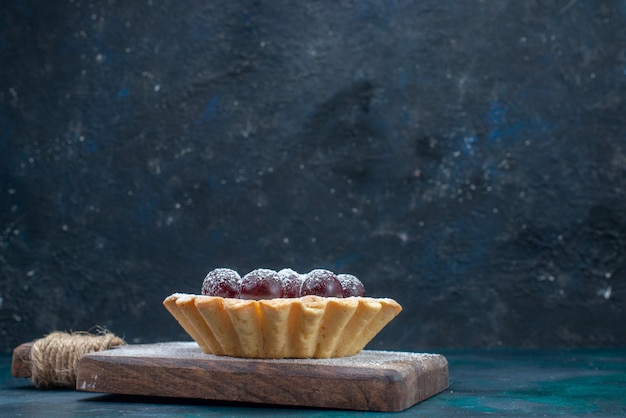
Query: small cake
268,314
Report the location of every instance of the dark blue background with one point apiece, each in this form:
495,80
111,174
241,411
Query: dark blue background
465,158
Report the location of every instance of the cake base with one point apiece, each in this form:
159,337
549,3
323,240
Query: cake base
368,381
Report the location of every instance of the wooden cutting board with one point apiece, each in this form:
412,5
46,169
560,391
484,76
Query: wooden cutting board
370,380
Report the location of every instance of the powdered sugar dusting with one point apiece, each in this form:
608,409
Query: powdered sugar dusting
292,282
289,274
322,283
222,282
261,283
190,350
351,285
227,283
318,274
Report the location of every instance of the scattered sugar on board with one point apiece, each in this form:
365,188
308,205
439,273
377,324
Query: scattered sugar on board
190,350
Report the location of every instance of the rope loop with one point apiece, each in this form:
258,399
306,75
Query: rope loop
54,358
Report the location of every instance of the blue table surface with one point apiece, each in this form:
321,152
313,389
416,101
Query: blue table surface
501,382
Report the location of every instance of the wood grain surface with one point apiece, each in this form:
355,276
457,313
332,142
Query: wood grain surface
370,380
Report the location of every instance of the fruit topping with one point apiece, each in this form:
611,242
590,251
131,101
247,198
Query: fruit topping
350,285
286,283
292,281
222,282
321,282
261,284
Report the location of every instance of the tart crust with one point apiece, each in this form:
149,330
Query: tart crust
304,327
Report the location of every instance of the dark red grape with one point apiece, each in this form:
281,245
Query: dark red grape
221,282
261,284
350,285
321,282
292,281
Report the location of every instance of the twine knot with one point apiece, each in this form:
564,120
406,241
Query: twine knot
54,358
